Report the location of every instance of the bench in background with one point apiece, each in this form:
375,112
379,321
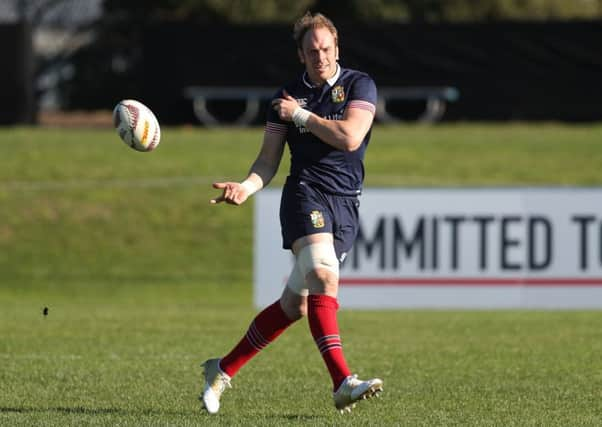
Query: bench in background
435,98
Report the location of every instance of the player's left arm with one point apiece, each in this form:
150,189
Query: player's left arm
346,134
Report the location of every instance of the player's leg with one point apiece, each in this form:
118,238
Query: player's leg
318,261
294,296
264,329
307,218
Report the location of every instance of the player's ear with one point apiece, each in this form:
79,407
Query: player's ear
300,53
336,53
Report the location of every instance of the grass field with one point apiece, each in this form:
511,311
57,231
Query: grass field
144,279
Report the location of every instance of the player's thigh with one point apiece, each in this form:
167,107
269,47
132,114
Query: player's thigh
345,224
317,263
304,211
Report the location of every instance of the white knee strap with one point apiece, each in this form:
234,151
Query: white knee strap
296,281
316,256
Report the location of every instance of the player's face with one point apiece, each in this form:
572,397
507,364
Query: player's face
319,53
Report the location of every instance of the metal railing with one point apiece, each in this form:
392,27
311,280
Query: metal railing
435,98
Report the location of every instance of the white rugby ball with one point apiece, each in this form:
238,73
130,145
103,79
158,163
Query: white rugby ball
136,125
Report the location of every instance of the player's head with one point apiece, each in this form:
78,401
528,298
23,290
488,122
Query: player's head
317,46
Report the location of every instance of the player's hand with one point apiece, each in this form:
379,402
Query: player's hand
233,193
285,106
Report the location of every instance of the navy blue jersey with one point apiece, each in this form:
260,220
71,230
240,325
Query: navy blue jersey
313,161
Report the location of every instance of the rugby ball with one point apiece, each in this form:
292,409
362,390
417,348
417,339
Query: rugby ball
136,125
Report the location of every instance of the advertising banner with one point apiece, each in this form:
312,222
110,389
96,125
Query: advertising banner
456,248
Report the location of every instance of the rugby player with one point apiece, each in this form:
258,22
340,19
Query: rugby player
325,116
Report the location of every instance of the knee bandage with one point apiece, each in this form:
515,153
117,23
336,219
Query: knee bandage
296,281
316,256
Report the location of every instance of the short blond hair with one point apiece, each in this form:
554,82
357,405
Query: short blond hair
310,22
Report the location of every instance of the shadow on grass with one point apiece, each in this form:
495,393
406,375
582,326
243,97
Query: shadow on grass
151,412
65,410
298,417
87,411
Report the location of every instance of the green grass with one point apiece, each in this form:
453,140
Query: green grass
144,279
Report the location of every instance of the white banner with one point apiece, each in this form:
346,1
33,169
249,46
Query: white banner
456,248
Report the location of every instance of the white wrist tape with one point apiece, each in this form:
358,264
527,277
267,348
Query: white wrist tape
250,186
301,116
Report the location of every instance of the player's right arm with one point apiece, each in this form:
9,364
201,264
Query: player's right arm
262,171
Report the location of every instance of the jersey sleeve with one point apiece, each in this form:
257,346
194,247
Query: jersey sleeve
273,122
363,94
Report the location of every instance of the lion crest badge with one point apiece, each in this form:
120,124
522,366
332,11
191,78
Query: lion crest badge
317,219
338,94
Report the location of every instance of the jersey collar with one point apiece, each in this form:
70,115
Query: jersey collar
331,81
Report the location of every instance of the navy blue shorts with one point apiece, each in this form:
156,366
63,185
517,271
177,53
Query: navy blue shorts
306,210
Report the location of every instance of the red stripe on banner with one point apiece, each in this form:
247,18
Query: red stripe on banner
470,281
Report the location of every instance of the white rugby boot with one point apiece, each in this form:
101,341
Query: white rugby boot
352,390
216,382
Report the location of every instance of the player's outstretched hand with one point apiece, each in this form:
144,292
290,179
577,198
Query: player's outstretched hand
233,193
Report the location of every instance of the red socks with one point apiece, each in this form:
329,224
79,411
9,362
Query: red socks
264,329
272,321
322,315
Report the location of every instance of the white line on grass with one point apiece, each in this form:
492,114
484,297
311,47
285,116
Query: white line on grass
37,356
59,185
157,182
113,356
